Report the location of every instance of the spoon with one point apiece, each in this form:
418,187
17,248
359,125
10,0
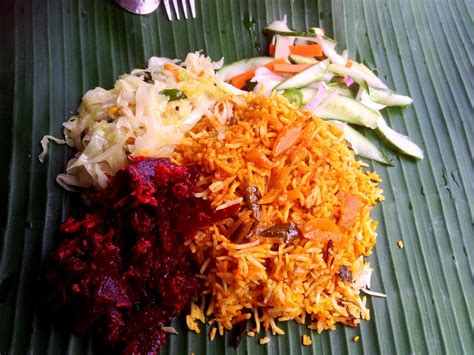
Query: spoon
139,7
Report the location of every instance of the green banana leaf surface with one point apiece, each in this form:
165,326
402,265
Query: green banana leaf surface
52,52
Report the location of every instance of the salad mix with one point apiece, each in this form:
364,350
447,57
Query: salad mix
305,68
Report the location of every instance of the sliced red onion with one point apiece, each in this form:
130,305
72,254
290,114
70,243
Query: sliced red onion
266,80
330,52
348,80
318,98
265,87
282,46
264,73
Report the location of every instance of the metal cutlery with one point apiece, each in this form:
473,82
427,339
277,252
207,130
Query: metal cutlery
144,7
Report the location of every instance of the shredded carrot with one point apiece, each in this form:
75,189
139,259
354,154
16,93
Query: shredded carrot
271,49
272,64
308,50
239,81
113,110
286,140
173,69
290,68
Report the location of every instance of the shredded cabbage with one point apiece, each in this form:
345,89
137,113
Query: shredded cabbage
136,119
361,275
45,143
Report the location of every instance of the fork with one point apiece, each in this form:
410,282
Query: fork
176,9
144,7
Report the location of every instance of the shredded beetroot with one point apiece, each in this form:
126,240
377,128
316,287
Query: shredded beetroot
123,271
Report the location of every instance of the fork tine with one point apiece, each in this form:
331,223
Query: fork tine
176,8
185,9
168,9
193,8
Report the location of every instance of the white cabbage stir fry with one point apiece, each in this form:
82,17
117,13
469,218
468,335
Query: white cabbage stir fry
147,113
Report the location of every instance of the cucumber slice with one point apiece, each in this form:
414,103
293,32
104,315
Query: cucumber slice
317,31
342,108
299,97
341,89
313,73
308,36
281,28
343,71
230,89
229,71
301,37
299,59
389,97
361,145
328,77
331,41
294,96
367,74
364,98
278,26
329,51
289,33
308,94
398,141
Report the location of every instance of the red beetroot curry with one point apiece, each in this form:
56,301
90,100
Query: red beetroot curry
123,271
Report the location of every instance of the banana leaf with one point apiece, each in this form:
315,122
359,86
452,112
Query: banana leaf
55,50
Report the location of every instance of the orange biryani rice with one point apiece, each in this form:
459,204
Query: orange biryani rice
305,174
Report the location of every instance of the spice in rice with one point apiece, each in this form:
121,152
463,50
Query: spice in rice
315,183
